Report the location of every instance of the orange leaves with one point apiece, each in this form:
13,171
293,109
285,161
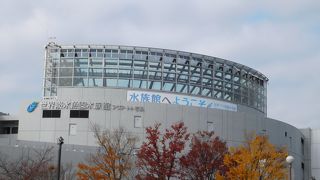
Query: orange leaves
113,160
163,155
258,158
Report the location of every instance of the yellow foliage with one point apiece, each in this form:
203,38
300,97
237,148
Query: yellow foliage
257,159
113,160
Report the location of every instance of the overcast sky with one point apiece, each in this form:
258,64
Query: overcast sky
281,39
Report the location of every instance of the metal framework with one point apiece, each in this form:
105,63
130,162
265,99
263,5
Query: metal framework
155,69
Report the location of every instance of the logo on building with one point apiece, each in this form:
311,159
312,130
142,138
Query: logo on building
32,107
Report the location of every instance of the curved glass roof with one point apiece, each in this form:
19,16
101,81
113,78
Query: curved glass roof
165,70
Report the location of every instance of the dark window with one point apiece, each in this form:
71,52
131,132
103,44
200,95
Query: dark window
15,130
285,134
51,113
55,113
79,114
302,165
46,113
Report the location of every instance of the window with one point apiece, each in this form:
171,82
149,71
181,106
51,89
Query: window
302,146
79,113
51,113
72,129
138,122
14,130
210,126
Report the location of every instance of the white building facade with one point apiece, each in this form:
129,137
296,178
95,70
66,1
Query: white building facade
135,87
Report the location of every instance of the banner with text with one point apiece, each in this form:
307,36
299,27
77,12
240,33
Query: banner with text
167,98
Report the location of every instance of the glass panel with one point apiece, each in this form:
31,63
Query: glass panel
95,62
227,96
111,63
111,73
218,75
82,63
154,75
100,53
194,90
65,72
236,79
155,85
80,72
244,91
195,80
244,99
66,63
140,74
93,53
114,54
55,62
125,73
227,77
218,84
141,55
169,67
65,82
207,82
54,72
84,53
228,87
168,86
218,94
123,83
70,52
95,82
195,70
183,78
206,92
236,89
155,66
139,84
183,88
207,73
125,63
111,82
140,64
80,82
95,72
237,98
169,76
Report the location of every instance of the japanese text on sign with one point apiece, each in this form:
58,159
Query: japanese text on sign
81,105
166,98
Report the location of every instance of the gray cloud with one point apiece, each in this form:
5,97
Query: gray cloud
280,39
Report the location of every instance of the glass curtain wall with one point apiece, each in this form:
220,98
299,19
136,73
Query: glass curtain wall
155,69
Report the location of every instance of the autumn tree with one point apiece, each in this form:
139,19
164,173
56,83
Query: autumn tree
256,159
113,160
159,155
205,157
30,164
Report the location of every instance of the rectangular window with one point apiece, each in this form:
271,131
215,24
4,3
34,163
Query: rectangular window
72,129
138,122
14,130
79,113
210,126
51,113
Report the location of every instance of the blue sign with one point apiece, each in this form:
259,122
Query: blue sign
32,107
168,98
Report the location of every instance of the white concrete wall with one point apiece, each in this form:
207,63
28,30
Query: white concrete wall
315,153
230,126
